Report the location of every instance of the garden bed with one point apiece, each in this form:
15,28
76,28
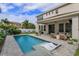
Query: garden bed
77,52
2,40
1,46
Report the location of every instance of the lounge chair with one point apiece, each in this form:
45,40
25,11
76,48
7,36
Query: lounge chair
49,47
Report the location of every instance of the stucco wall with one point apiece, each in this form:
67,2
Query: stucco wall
65,9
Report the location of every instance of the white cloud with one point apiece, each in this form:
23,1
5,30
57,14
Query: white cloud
4,8
19,18
34,6
49,6
40,6
27,7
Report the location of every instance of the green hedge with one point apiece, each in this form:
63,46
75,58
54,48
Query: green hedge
77,52
2,36
14,31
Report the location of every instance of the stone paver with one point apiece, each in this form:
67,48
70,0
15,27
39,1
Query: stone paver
65,49
10,47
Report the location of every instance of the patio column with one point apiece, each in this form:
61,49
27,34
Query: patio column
47,29
75,27
37,28
56,28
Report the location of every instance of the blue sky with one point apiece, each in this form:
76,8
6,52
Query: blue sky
19,12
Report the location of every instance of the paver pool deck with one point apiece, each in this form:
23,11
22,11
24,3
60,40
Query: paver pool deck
11,48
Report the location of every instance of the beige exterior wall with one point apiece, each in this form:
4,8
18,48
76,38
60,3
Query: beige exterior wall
65,9
69,8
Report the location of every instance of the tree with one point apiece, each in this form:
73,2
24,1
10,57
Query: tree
5,21
25,24
31,26
28,25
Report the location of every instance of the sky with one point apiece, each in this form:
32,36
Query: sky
18,12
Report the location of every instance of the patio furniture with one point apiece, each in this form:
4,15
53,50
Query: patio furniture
47,48
38,34
63,36
53,35
57,36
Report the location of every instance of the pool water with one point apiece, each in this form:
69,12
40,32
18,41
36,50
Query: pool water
26,42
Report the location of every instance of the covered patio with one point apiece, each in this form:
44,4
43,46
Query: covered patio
60,24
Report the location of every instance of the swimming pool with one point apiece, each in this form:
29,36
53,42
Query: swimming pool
26,42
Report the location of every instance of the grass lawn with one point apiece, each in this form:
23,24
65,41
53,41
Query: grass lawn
77,52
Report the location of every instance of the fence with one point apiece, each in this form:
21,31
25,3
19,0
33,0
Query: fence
27,30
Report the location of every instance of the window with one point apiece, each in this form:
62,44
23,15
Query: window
52,28
56,11
48,13
44,28
68,27
40,17
61,27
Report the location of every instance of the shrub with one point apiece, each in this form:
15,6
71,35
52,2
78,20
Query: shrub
1,39
70,42
14,31
75,40
2,35
77,52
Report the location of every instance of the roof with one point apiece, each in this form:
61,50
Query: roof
59,6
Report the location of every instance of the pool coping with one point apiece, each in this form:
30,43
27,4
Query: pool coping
11,48
34,36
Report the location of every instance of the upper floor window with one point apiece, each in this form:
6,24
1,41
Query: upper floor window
47,13
56,11
40,17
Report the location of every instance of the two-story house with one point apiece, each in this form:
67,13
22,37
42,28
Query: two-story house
63,18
